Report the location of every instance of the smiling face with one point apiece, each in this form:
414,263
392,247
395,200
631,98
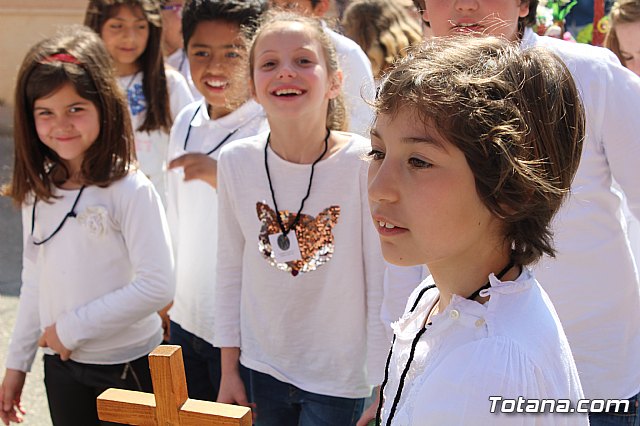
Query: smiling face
125,35
423,197
217,57
485,17
290,73
629,41
68,124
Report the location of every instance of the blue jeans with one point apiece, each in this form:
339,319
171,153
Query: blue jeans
631,418
282,404
201,363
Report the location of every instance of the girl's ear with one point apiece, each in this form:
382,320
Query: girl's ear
336,85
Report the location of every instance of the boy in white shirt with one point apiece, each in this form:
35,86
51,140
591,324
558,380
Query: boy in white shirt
216,51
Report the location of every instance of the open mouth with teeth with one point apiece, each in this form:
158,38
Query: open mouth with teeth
288,92
216,84
386,225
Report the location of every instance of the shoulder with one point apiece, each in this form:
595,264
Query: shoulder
580,58
131,185
244,149
173,76
345,47
186,114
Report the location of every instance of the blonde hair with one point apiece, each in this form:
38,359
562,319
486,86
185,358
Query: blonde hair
622,12
336,112
383,29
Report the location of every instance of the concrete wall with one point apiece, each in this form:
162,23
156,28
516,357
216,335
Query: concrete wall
25,22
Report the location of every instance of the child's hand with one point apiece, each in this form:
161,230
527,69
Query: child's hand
50,339
10,393
166,322
232,391
370,413
197,166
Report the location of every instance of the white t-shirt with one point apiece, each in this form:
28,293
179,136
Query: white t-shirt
151,147
357,82
593,281
313,323
512,346
101,278
192,210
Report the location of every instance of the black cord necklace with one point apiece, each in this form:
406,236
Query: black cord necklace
186,138
70,213
414,343
283,240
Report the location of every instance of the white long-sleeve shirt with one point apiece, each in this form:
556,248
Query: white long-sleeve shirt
315,324
357,82
100,279
192,210
512,346
151,147
593,282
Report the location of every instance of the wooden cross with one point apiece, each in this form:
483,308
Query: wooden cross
169,404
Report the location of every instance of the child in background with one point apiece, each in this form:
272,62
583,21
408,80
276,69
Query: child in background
466,173
217,52
97,260
132,31
358,85
623,37
299,281
172,41
383,29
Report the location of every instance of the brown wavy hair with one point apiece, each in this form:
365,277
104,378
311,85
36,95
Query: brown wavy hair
336,112
37,168
622,12
154,80
517,117
383,30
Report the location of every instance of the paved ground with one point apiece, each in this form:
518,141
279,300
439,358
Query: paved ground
34,398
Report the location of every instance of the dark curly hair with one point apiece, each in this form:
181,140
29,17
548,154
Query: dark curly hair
517,117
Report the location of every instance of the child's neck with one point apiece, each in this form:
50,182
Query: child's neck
299,143
123,70
464,276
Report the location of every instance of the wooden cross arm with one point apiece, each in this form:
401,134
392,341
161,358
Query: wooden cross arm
138,408
170,405
127,407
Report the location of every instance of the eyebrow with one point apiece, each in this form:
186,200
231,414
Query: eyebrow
125,20
415,140
67,106
208,46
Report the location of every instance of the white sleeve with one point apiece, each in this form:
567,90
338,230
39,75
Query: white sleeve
179,92
144,229
228,283
377,341
358,88
174,176
620,130
24,340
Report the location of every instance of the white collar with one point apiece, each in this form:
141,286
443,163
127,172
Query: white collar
246,112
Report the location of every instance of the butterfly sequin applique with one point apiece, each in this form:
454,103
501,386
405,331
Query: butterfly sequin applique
315,237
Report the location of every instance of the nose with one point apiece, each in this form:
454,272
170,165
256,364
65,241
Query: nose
466,5
382,182
286,71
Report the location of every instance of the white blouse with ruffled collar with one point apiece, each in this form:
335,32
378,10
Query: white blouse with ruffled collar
511,346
